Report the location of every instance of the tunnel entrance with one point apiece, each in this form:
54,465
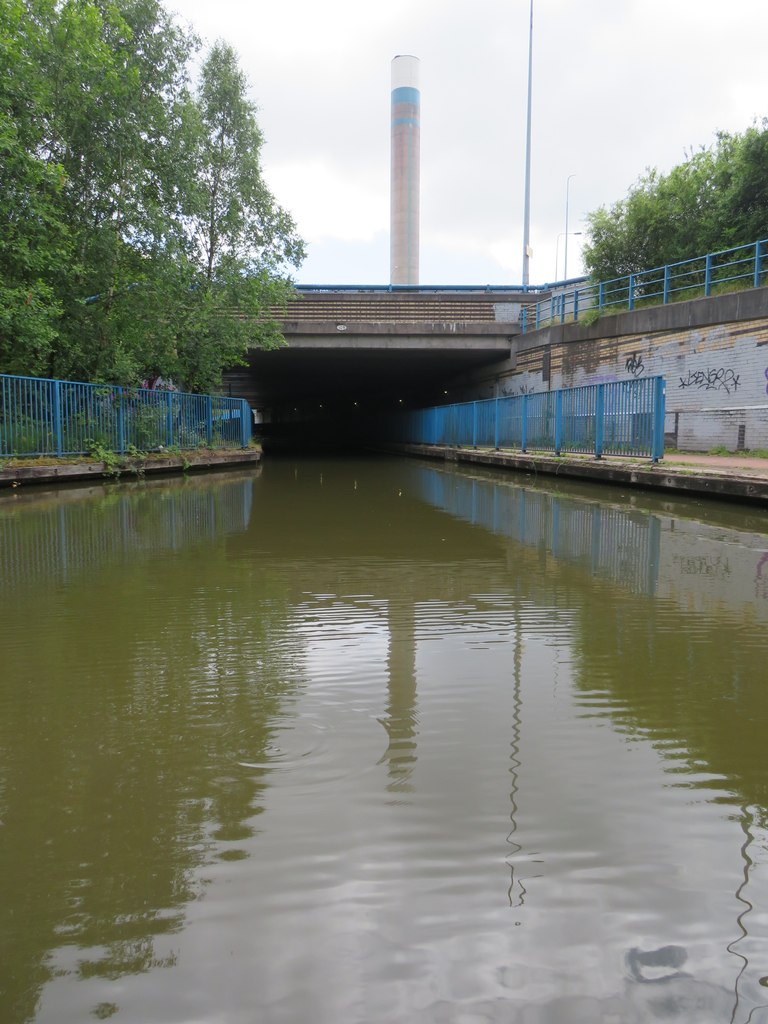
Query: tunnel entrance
308,399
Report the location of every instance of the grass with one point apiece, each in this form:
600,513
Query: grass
741,453
592,314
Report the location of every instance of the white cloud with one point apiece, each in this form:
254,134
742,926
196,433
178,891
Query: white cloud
617,87
328,205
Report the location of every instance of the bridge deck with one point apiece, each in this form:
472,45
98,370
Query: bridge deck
401,310
350,344
379,306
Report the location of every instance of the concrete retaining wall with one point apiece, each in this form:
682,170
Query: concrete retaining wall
712,352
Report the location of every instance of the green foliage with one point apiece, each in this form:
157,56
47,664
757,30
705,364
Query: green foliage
26,434
115,464
137,236
716,199
590,316
33,235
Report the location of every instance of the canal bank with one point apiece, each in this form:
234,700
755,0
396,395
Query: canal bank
18,472
727,478
724,477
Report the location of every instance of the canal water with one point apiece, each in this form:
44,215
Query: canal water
364,742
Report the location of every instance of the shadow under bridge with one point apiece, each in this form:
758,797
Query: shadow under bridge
354,353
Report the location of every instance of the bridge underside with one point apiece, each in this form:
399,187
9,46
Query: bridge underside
364,367
355,354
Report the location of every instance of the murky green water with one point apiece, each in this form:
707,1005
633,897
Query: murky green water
366,742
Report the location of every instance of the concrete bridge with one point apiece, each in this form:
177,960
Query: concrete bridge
358,351
378,347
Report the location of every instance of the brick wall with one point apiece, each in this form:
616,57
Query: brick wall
716,373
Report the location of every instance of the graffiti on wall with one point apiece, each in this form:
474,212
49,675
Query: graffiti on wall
634,364
712,566
716,379
509,391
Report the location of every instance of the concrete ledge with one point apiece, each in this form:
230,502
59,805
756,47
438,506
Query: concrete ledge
69,472
344,331
609,470
734,307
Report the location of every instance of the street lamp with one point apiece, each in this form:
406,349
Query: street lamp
557,249
565,260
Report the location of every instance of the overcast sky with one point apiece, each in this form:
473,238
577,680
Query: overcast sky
618,86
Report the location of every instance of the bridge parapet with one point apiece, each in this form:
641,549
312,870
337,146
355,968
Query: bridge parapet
398,307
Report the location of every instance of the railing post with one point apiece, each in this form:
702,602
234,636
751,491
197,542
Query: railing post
708,274
666,284
496,424
757,265
246,420
538,315
599,418
600,294
524,425
631,292
57,432
169,420
659,410
575,305
558,421
523,319
209,420
562,308
120,421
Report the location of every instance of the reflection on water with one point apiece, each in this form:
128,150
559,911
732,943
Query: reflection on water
78,530
401,712
363,742
613,543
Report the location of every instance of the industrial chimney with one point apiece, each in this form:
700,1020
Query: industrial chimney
404,181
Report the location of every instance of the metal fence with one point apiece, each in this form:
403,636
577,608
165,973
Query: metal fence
619,418
744,266
60,417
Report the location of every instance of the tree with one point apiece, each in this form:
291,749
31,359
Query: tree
743,185
33,237
716,199
239,240
119,86
138,236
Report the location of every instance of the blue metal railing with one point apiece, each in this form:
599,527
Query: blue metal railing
423,289
60,417
687,279
618,418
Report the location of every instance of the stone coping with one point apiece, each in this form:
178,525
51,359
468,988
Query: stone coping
71,471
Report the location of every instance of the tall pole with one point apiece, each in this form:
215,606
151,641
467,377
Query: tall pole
527,207
565,259
573,234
